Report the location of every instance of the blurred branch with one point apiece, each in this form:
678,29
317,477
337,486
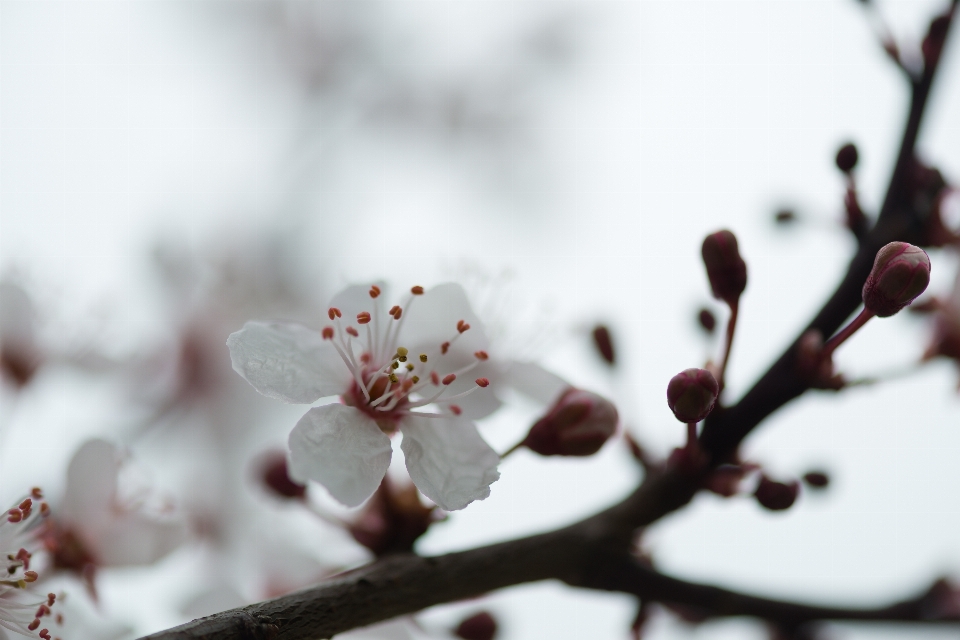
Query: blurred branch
594,553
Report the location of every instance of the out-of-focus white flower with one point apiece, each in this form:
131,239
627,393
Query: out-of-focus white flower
386,367
21,608
103,524
19,353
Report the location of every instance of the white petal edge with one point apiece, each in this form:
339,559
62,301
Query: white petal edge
288,362
535,382
448,460
341,448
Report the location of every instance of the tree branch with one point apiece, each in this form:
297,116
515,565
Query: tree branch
594,553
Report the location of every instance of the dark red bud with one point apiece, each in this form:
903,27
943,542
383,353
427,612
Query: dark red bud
776,496
901,272
816,479
726,270
691,395
393,519
784,217
604,344
708,321
847,157
480,626
273,472
577,424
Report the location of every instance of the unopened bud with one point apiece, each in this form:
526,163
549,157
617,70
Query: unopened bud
480,626
274,474
708,321
776,496
901,272
691,394
725,268
393,519
604,344
816,479
847,157
577,424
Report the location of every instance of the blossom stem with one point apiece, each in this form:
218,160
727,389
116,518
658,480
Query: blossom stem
845,333
512,449
731,329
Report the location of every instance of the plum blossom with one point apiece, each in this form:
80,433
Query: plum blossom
404,370
101,523
21,609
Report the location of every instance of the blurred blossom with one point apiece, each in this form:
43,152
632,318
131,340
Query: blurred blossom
106,519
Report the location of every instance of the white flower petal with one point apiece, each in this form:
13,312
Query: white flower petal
432,319
288,362
448,460
91,482
341,448
535,382
356,298
132,538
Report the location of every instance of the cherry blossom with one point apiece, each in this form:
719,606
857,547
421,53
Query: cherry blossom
103,523
405,370
23,610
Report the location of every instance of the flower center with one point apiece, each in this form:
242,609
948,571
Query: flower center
389,382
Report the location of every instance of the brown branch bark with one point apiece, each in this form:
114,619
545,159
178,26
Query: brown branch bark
594,553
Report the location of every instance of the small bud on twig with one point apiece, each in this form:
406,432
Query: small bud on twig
847,157
603,341
692,394
776,496
901,272
577,424
480,626
725,268
816,479
707,321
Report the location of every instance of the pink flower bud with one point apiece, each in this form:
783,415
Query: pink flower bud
691,394
847,157
725,268
577,424
480,626
776,496
604,344
900,273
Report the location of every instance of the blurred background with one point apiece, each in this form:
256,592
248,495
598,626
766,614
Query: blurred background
169,170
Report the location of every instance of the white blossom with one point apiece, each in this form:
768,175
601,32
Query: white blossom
411,369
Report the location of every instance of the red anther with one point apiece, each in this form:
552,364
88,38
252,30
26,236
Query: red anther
374,291
45,634
455,410
33,625
59,618
434,378
51,598
450,377
14,515
30,576
444,347
44,509
481,355
462,326
24,556
483,382
334,313
327,333
365,358
363,317
394,309
417,291
353,332
26,504
36,493
397,315
42,610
